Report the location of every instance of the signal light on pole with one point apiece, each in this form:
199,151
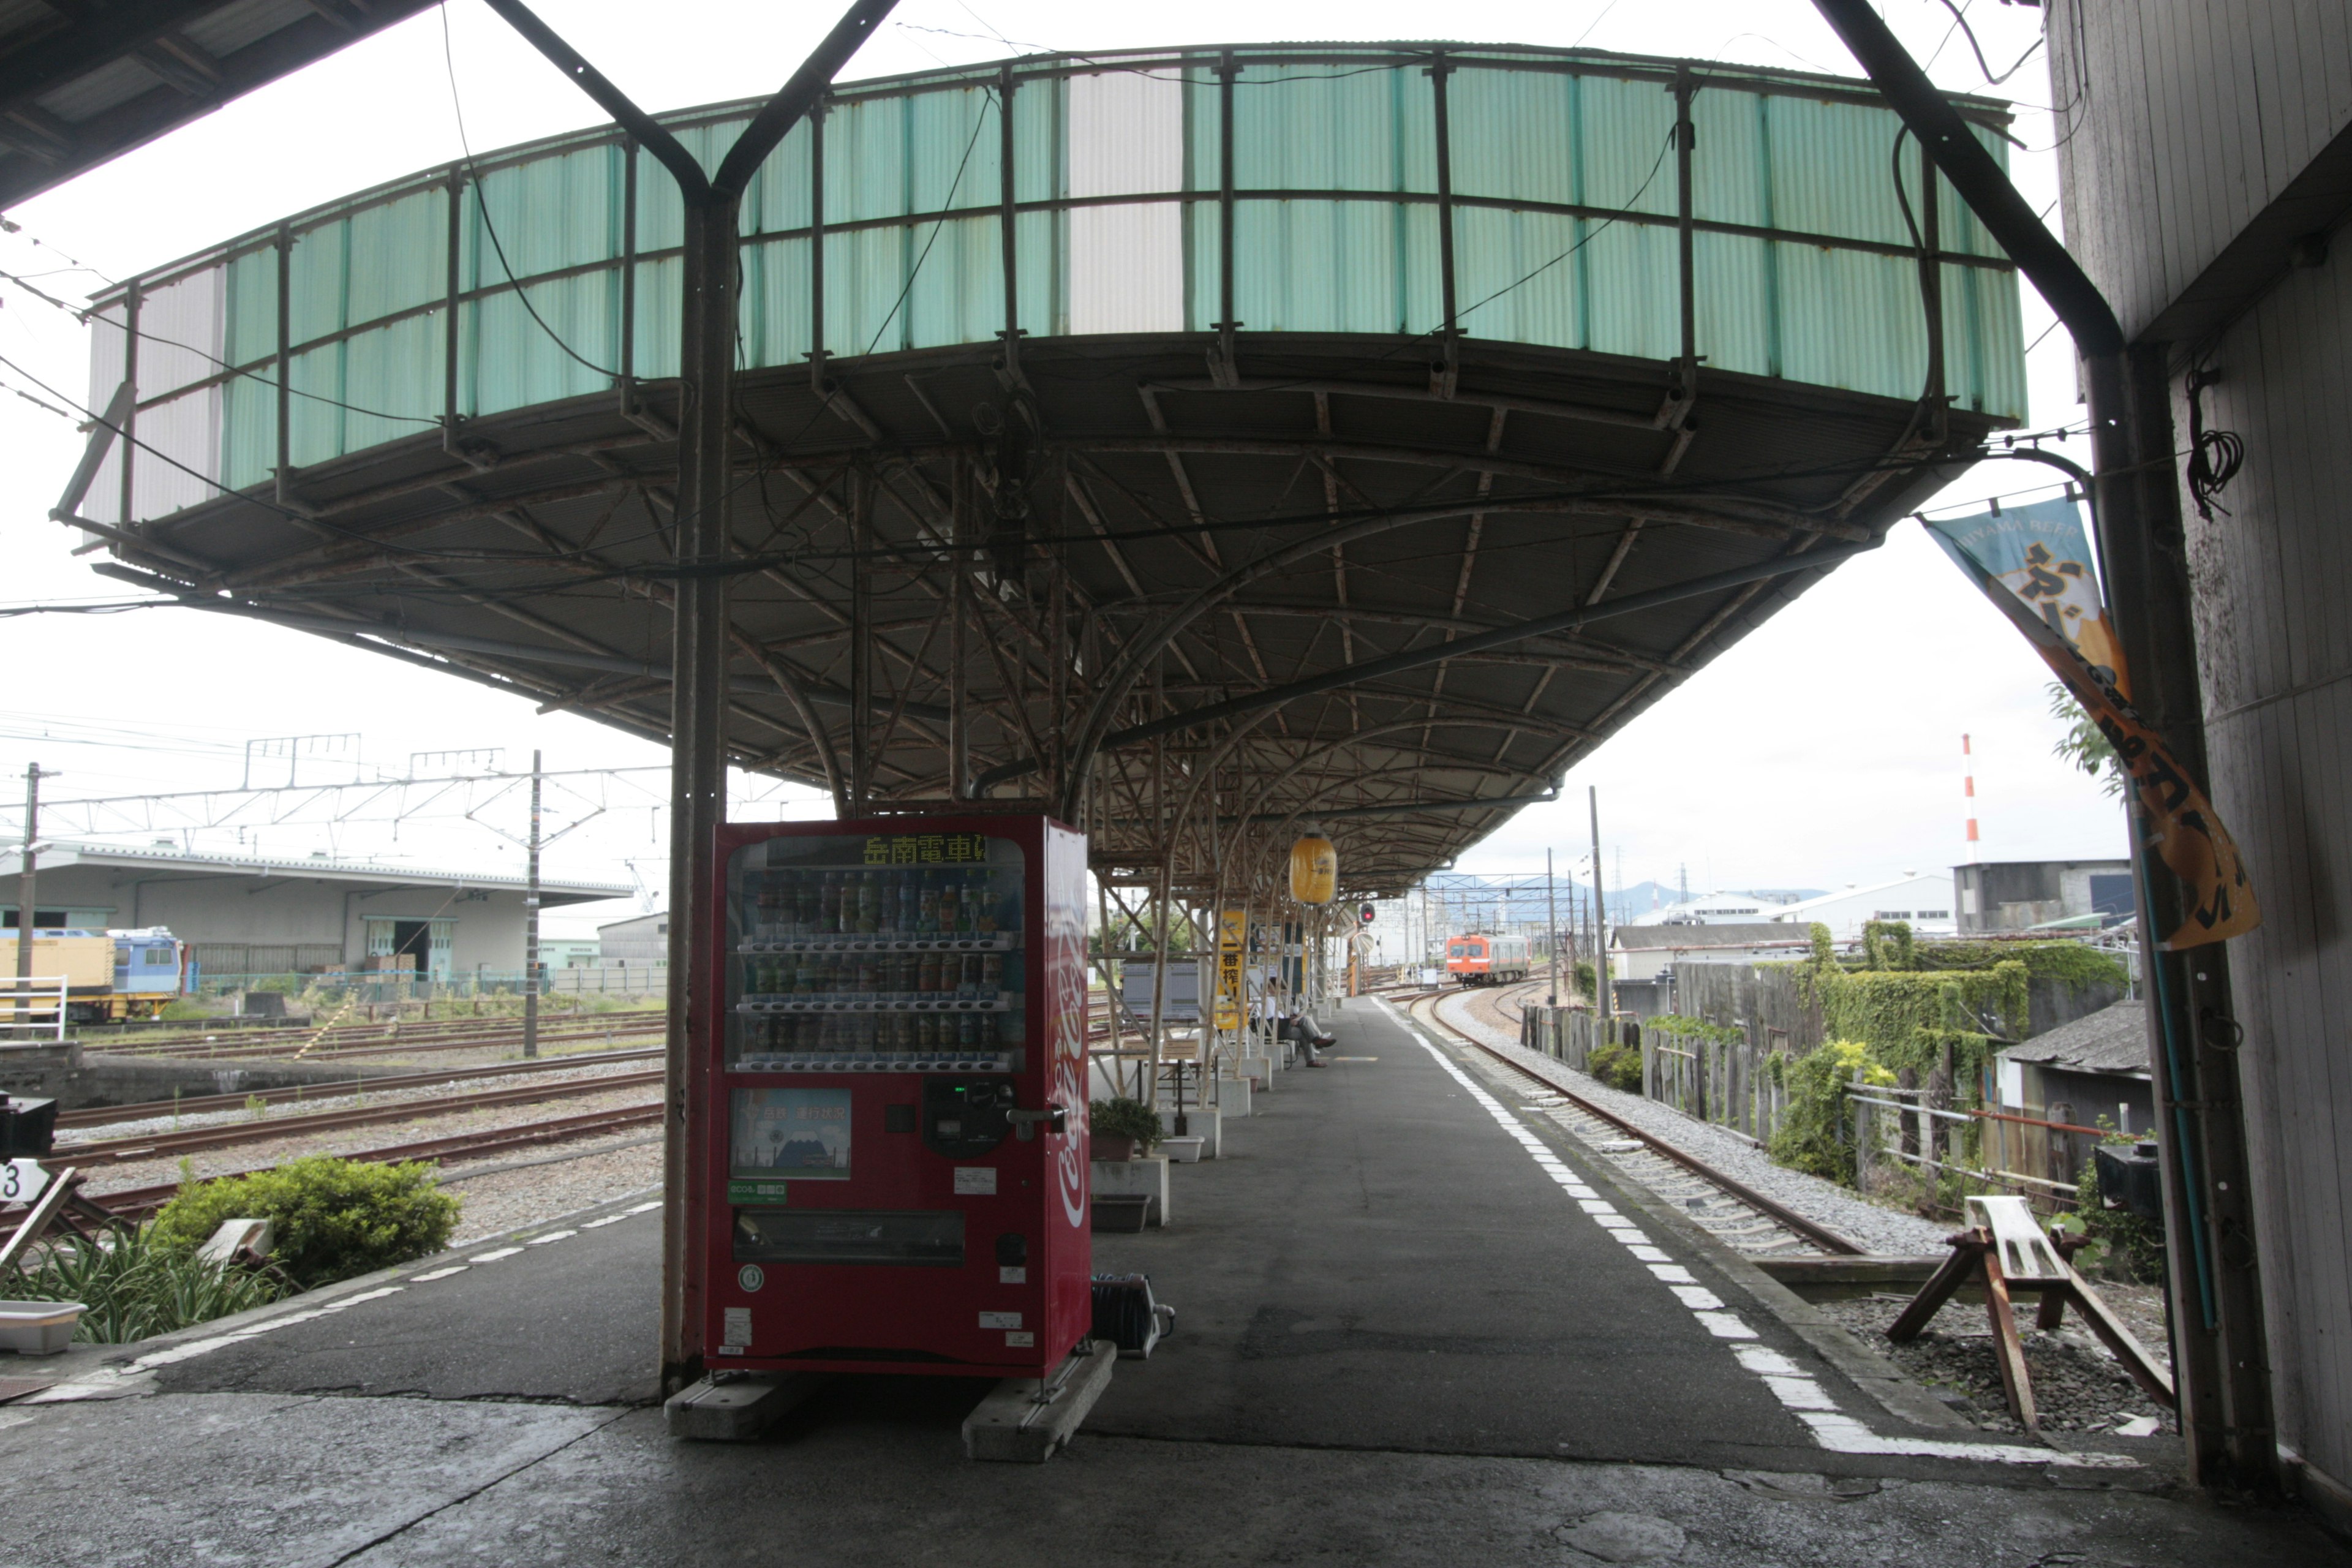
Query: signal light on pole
1367,914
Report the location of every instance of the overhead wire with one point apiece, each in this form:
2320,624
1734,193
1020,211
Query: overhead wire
482,206
86,317
1961,20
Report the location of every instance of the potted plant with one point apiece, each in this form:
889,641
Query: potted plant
1122,1128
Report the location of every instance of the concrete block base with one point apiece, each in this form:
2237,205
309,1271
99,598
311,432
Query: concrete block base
1233,1096
1146,1177
1200,1120
738,1409
1024,1419
1257,1069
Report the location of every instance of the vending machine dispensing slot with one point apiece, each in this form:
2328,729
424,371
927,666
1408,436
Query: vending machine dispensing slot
899,1179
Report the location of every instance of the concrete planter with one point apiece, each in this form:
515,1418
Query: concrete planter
1146,1177
38,1327
1204,1122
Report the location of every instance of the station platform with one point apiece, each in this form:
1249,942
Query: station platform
1403,1337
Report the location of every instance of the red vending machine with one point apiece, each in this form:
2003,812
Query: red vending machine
897,1174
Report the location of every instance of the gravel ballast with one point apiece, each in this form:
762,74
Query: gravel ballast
203,1163
2077,1385
1886,1232
565,1181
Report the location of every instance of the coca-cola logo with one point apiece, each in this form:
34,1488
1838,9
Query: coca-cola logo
1066,977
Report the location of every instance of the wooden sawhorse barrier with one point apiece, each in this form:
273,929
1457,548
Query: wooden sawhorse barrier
2007,1250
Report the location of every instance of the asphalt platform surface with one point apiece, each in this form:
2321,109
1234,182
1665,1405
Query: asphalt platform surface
1399,1341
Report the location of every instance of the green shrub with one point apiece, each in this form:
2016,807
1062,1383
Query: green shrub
1618,1067
1125,1118
333,1218
132,1287
1588,980
1693,1029
1813,1135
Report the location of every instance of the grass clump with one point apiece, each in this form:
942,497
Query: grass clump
133,1286
332,1219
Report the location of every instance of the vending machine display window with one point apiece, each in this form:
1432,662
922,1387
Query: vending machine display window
875,953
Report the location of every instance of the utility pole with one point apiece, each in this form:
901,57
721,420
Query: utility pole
531,927
1551,928
28,894
1600,997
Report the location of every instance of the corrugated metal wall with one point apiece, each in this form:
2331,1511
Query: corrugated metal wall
2185,122
913,245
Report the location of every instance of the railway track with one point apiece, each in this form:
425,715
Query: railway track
199,1033
140,1202
383,1042
199,1104
224,1135
1742,1219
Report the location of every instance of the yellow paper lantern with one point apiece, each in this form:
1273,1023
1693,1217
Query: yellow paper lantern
1314,870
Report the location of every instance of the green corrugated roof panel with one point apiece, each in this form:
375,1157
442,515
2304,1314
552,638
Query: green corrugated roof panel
1529,132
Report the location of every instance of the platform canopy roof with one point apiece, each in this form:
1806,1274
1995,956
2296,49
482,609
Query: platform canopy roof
80,82
1341,382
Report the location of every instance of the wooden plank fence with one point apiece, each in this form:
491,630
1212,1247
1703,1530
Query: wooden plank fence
1729,1082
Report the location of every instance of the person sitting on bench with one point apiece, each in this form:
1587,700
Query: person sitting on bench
1301,1030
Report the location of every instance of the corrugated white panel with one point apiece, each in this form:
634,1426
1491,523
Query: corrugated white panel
180,333
103,503
1127,263
177,463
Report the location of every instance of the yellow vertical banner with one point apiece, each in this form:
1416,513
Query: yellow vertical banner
1232,931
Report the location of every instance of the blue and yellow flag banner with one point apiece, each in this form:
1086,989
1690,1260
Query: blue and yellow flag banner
2034,564
2040,553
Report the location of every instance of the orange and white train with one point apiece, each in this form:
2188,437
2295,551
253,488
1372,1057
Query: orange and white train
1475,960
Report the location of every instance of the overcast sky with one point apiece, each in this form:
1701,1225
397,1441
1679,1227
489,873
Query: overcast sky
1824,749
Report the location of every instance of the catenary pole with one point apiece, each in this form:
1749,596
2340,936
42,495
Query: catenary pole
28,891
531,925
1601,999
1551,928
710,265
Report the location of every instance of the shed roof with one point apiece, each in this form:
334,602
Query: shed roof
1751,933
2112,1041
56,855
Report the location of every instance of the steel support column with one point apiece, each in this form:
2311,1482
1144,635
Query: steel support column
700,638
698,750
2220,1357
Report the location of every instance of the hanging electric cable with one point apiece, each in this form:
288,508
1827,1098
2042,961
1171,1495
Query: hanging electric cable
449,59
2214,456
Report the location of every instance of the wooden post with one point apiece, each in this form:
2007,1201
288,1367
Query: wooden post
2006,1350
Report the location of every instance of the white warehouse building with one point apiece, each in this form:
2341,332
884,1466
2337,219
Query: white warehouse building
1923,903
280,915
